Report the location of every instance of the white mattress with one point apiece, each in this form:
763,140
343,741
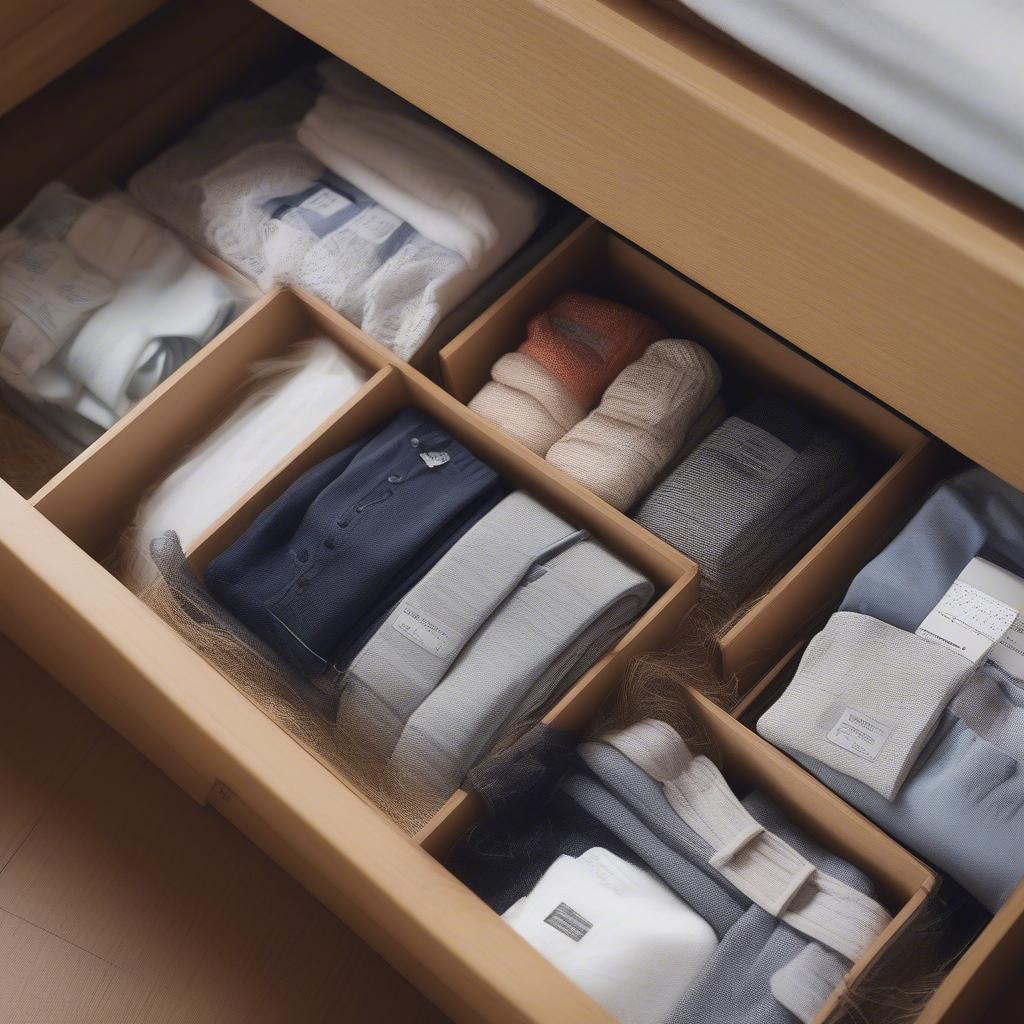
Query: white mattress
945,76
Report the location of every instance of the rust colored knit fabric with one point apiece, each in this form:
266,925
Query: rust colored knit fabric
585,342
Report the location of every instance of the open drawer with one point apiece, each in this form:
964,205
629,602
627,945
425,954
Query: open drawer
123,661
77,620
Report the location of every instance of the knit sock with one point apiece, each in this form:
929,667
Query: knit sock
528,402
751,492
586,342
643,419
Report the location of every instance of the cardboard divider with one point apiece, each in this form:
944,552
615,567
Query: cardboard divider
397,386
984,984
753,361
145,445
903,882
95,496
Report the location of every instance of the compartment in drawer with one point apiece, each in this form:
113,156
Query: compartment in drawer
966,948
753,362
141,450
103,120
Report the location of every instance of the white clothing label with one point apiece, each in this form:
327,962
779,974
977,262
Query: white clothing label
757,451
974,614
434,637
860,734
376,225
434,459
1009,652
565,920
326,202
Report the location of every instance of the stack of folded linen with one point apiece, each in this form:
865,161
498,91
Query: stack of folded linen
349,192
98,305
910,703
631,865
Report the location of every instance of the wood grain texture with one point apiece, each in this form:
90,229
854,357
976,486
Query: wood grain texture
121,900
637,118
41,39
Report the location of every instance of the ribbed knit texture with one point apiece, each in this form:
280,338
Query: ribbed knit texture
760,864
528,402
586,341
644,418
514,613
854,678
754,490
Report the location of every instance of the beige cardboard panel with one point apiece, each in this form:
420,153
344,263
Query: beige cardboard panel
820,577
94,497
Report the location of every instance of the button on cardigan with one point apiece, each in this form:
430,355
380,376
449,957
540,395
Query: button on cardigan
320,566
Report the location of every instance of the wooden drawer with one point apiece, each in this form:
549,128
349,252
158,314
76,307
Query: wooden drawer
898,274
753,361
63,606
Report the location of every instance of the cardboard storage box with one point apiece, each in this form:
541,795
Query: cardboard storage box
753,361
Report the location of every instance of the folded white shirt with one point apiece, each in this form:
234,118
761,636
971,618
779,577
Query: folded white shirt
446,188
618,932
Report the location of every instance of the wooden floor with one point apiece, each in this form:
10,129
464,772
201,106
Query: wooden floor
122,901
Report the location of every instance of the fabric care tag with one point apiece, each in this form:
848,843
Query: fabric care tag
326,202
375,225
433,636
860,734
981,607
565,920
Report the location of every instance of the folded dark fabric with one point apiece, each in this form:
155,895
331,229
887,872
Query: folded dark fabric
754,490
321,566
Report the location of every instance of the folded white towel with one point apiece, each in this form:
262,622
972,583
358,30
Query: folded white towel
449,190
618,932
298,393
